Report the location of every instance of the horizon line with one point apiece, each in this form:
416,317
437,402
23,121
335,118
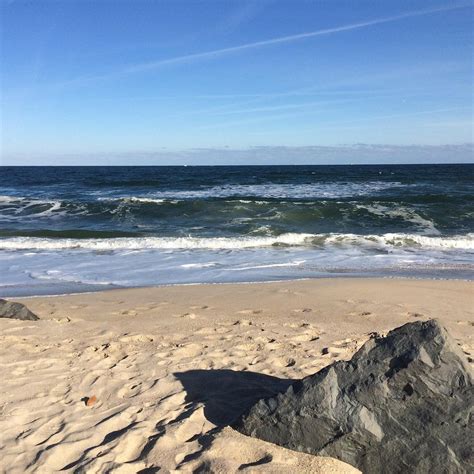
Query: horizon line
240,165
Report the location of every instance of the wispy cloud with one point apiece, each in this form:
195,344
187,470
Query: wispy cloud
262,155
291,106
243,13
330,125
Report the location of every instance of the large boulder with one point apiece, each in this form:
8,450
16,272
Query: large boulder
9,309
403,403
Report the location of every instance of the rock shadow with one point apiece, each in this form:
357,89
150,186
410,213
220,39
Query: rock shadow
226,394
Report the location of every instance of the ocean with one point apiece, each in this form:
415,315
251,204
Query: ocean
74,229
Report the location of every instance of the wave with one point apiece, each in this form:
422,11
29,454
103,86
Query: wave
143,199
139,200
144,243
7,199
17,207
199,265
400,212
295,263
329,190
390,240
155,215
458,242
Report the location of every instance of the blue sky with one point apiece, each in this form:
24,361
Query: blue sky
83,81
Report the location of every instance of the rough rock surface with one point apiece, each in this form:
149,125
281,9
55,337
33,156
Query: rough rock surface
8,309
402,404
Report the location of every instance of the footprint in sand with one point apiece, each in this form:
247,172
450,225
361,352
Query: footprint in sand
333,351
305,337
144,308
344,343
301,324
217,354
222,330
189,350
363,314
62,320
285,362
189,315
248,347
265,339
257,360
342,348
206,331
130,391
243,322
137,338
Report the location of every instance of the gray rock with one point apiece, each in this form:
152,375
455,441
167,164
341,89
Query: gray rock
403,403
8,309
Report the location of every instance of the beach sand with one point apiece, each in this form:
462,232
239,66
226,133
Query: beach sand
165,370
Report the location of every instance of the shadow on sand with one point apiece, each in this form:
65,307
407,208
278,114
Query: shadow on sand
226,394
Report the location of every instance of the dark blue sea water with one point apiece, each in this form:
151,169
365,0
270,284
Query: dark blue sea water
65,229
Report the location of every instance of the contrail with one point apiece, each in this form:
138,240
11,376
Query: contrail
284,39
150,65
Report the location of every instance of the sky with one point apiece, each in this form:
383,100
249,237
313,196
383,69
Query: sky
253,81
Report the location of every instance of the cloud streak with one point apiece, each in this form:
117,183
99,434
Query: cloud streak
330,125
150,65
216,53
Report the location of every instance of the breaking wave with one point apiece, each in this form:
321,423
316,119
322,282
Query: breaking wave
459,242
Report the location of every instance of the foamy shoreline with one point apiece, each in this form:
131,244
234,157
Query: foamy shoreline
36,265
107,288
170,366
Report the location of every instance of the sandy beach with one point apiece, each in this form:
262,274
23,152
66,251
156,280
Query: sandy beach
148,379
237,236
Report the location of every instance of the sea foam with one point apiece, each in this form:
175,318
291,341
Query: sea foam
460,242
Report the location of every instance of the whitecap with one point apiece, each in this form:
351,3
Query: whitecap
460,242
